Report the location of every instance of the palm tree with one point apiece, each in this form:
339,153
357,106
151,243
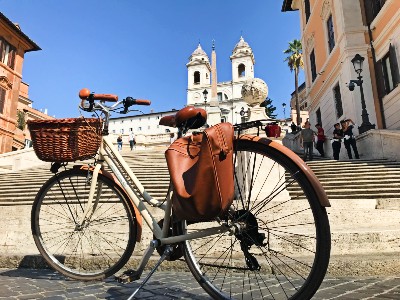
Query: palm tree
295,62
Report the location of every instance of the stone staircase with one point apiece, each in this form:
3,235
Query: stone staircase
364,216
20,188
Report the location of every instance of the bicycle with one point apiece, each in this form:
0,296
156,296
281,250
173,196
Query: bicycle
274,242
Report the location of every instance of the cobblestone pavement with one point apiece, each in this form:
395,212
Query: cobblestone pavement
47,284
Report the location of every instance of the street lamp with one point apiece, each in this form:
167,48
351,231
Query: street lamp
205,93
357,62
284,112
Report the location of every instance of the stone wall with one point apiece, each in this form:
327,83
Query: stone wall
380,143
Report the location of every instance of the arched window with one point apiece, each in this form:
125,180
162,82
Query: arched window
196,77
242,70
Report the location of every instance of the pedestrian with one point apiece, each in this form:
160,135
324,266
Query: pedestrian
132,140
119,142
348,137
172,137
293,127
307,140
337,141
320,139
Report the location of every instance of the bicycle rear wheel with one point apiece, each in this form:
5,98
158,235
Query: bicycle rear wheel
89,250
282,245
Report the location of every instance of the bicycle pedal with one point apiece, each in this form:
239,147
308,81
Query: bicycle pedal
127,276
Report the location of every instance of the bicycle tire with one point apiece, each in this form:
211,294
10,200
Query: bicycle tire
92,251
283,248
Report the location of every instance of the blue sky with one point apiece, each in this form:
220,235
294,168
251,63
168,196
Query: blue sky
140,48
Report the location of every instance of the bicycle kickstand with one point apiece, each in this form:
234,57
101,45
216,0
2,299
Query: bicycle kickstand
167,252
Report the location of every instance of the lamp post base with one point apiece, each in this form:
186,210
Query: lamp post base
365,126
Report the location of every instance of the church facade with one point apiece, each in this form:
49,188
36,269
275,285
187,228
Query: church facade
222,100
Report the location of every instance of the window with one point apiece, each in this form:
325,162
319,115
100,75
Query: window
387,72
307,10
122,131
2,99
241,70
313,66
7,53
338,101
331,34
113,131
196,77
318,116
372,8
219,96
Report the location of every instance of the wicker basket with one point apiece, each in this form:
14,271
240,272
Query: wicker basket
65,140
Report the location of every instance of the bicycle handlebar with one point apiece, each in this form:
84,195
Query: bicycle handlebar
86,95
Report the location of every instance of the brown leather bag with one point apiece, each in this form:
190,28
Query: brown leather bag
201,169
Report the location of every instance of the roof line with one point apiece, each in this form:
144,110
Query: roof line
34,46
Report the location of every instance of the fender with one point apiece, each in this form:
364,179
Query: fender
113,178
321,194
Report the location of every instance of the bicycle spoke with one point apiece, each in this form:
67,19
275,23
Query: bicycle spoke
274,250
83,249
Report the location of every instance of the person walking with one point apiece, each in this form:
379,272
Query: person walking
119,142
348,137
307,140
132,141
337,141
320,139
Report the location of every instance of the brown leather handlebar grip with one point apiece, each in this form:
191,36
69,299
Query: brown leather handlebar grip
142,102
105,97
85,93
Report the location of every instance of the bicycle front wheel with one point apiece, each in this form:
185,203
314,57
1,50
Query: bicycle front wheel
281,246
90,248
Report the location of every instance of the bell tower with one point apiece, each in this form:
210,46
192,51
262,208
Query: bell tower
243,61
199,75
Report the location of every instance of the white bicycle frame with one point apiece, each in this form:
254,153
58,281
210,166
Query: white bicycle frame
109,154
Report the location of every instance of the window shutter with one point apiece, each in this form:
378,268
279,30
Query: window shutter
2,49
2,99
379,79
369,11
394,65
11,57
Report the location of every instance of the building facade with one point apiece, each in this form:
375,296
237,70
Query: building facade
15,106
332,33
144,124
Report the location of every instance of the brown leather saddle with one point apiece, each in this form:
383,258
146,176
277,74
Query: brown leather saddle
189,117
